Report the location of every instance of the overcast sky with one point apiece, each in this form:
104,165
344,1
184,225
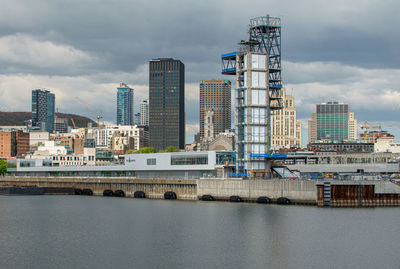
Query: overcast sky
331,50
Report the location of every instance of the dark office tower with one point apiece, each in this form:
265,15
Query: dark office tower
125,105
215,95
167,103
43,108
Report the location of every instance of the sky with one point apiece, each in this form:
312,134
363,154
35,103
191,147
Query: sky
345,51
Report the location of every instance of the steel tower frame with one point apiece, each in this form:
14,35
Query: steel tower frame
263,77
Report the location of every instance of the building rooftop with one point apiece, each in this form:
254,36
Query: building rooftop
164,60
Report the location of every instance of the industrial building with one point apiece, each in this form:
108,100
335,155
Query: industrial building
345,165
257,69
353,147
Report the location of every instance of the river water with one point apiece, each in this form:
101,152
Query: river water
102,232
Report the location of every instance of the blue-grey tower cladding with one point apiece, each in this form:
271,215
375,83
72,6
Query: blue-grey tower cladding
167,103
257,67
125,105
43,110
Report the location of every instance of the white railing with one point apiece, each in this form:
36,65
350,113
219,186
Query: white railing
267,21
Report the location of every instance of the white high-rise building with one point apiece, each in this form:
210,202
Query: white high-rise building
286,130
144,113
352,127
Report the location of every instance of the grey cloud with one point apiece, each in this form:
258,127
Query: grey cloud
331,50
125,34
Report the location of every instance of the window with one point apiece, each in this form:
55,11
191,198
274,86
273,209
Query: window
258,133
258,61
258,115
151,161
258,148
189,160
258,79
258,97
258,165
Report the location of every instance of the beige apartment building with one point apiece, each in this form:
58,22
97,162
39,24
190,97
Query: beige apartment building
285,128
215,99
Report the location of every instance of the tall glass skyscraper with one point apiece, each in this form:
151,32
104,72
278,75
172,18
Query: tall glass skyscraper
167,103
43,110
125,105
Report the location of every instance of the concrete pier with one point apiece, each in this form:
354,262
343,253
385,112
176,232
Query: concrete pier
298,191
153,188
323,193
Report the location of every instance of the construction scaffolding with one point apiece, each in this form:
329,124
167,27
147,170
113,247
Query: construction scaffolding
257,67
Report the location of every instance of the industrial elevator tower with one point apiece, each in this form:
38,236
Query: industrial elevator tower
257,67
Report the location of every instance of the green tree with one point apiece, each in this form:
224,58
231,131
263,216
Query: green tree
130,151
171,149
3,167
146,150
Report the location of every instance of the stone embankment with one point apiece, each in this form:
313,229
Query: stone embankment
323,193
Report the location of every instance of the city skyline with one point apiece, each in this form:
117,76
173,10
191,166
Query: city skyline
333,59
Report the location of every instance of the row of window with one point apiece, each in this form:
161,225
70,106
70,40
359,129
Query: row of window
71,158
189,160
182,160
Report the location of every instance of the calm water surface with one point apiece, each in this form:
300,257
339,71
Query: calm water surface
102,232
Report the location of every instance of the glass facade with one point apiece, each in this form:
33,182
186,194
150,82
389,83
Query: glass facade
89,143
189,160
225,157
166,104
152,161
333,121
43,110
125,105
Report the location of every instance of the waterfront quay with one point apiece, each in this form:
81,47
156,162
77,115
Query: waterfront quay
308,192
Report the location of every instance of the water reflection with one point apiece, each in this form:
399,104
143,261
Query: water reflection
97,232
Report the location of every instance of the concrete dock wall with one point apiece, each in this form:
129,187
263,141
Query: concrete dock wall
296,190
153,188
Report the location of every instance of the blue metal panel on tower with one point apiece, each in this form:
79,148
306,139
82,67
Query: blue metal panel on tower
278,156
228,55
252,155
275,85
